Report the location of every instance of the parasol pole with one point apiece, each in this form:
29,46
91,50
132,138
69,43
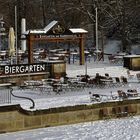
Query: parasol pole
16,32
97,48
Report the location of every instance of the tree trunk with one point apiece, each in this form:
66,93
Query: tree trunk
43,13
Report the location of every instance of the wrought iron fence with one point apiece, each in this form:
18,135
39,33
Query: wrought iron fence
5,95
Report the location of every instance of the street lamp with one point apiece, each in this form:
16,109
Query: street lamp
97,45
16,33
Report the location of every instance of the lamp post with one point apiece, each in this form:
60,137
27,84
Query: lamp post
16,32
96,28
97,45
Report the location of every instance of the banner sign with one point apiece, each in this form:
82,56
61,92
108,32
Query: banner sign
24,68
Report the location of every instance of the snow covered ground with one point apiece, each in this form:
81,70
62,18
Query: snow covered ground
71,98
120,129
44,101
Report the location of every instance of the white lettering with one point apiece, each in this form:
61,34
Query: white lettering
17,69
31,68
24,69
6,69
42,67
38,68
13,70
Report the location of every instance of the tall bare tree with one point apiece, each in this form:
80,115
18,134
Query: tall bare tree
116,18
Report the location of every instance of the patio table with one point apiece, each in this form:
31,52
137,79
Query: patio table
106,82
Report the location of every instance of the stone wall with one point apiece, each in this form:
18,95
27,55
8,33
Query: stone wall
14,118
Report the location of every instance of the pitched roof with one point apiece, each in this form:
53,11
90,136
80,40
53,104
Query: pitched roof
78,30
50,26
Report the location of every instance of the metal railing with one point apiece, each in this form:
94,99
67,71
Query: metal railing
22,97
5,95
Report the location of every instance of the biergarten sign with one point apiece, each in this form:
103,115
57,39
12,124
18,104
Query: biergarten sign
24,68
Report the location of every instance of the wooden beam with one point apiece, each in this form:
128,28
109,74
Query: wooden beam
54,39
30,48
77,38
81,50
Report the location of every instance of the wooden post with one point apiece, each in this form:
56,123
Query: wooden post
81,49
102,43
30,49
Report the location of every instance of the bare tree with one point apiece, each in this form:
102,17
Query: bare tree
116,18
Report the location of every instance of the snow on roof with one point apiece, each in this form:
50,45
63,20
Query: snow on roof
26,32
55,60
78,30
42,31
50,25
36,31
132,56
